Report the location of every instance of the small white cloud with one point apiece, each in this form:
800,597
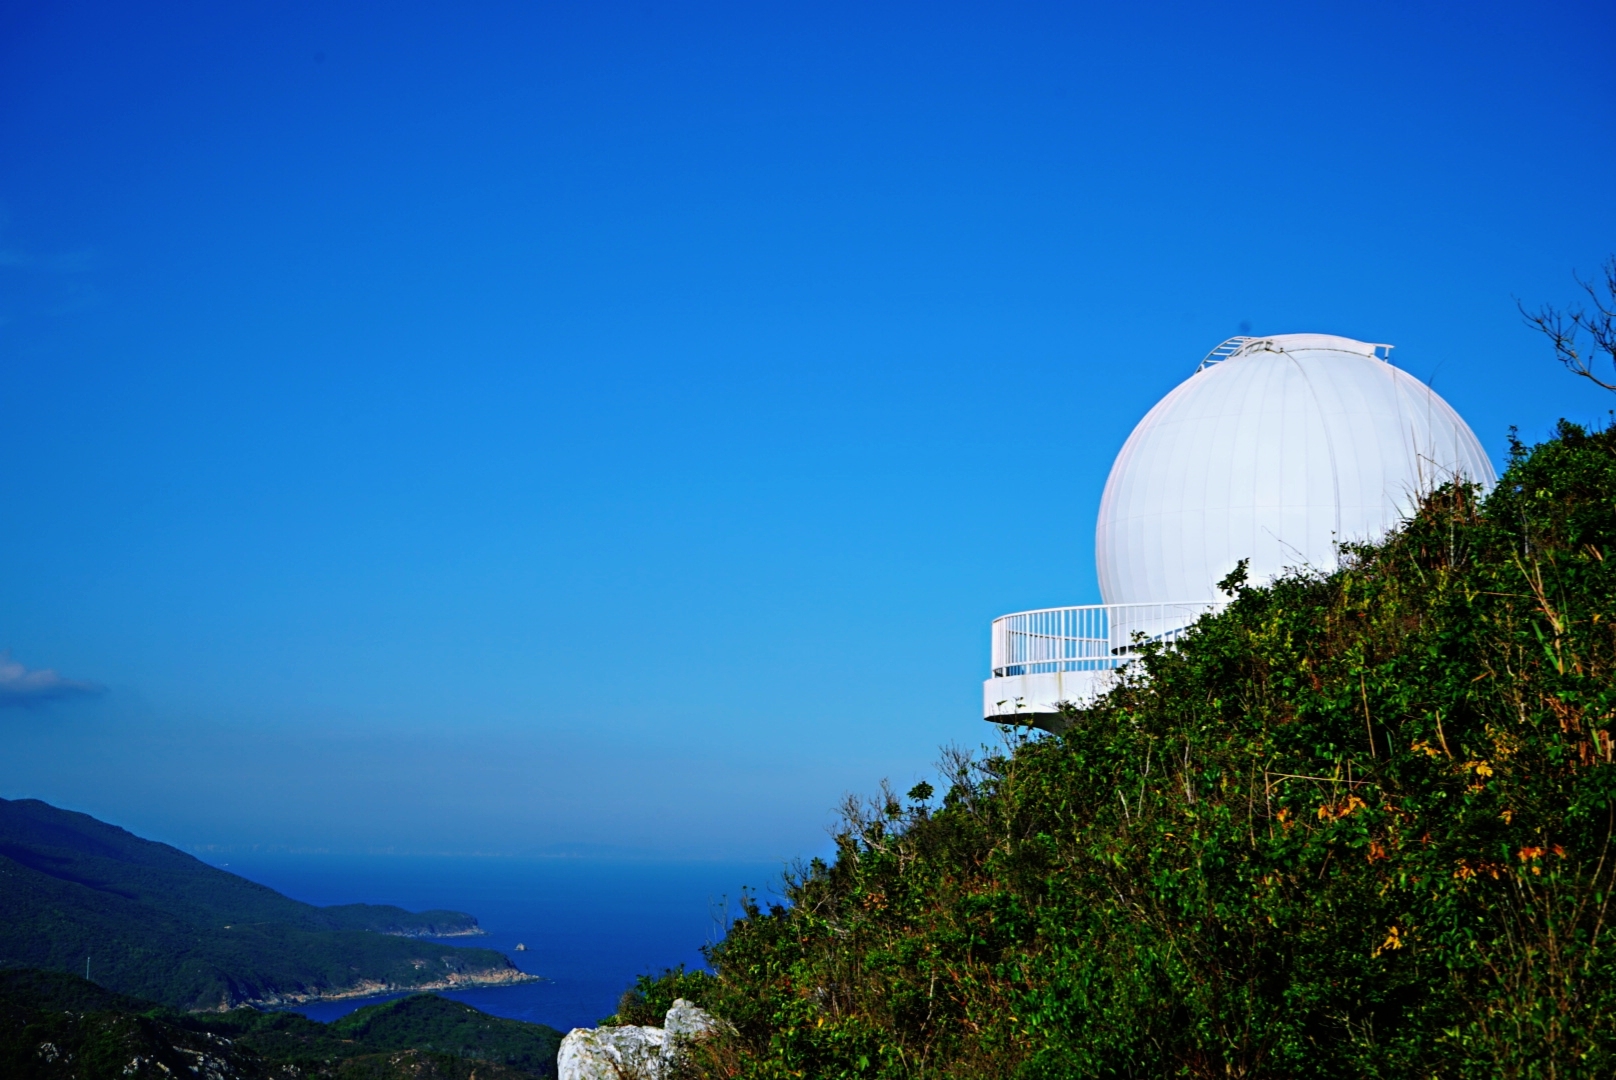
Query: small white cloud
21,686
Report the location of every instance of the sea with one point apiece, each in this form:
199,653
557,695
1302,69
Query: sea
590,925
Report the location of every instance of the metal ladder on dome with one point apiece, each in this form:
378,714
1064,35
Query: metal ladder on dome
1223,352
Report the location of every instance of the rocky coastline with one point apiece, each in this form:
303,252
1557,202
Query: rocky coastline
369,988
471,931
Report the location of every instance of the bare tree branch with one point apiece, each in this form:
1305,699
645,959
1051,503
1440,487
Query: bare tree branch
1563,327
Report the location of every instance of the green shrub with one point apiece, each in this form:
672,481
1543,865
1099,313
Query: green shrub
647,1002
1357,825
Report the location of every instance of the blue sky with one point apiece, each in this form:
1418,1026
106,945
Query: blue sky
521,427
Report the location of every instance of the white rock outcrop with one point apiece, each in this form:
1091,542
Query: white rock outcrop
612,1053
634,1053
686,1021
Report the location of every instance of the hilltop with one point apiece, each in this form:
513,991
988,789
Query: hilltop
60,1027
159,924
1356,825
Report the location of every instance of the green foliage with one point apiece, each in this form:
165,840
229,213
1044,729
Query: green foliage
429,1022
59,1026
647,1002
161,925
1353,826
65,993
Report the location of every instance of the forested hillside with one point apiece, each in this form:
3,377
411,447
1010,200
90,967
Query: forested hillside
1357,825
154,922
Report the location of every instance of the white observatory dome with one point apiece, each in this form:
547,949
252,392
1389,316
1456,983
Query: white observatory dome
1286,447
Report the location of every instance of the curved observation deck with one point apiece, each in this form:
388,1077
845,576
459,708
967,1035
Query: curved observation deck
1044,658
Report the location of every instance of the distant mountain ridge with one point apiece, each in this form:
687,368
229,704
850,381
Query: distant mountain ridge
159,924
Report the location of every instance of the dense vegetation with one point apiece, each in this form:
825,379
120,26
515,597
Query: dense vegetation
161,925
1356,825
60,1027
429,1022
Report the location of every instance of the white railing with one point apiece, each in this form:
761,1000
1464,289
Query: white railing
1223,352
1099,637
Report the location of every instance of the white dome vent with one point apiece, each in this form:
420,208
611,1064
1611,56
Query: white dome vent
1275,450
